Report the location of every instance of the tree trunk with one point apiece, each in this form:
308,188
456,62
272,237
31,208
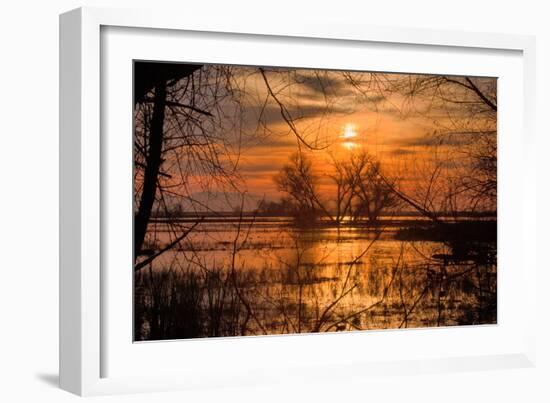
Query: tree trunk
149,75
152,167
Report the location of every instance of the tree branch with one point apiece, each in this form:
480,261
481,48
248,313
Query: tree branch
472,87
145,262
180,105
286,115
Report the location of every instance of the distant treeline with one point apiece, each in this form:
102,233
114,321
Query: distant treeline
461,231
220,214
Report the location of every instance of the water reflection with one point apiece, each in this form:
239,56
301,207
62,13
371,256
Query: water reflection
270,278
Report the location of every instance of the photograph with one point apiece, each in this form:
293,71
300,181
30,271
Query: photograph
271,200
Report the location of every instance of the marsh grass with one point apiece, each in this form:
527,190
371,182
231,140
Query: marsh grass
300,297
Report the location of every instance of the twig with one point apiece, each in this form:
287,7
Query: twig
145,262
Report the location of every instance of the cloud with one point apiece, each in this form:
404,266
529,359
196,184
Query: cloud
401,151
270,115
259,167
323,83
431,140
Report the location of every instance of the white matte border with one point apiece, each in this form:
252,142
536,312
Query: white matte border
87,290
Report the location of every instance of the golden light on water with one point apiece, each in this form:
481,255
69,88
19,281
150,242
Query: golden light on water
349,145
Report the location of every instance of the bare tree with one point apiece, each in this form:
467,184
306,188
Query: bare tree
360,190
373,194
345,187
298,179
152,77
466,111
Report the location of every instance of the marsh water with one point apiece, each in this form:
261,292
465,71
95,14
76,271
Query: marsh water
232,276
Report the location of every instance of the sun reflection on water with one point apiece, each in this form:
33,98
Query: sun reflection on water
349,145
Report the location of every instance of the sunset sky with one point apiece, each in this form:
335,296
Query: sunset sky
413,124
329,111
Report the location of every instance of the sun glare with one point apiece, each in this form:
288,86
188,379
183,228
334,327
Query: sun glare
348,137
349,132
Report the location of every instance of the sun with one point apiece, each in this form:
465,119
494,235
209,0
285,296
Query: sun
349,131
348,137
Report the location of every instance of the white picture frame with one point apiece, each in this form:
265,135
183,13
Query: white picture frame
88,330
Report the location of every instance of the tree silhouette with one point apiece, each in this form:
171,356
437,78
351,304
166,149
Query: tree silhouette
153,77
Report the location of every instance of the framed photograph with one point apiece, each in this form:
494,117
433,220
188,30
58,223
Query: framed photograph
240,202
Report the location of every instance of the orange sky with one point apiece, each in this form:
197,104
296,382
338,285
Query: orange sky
344,113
